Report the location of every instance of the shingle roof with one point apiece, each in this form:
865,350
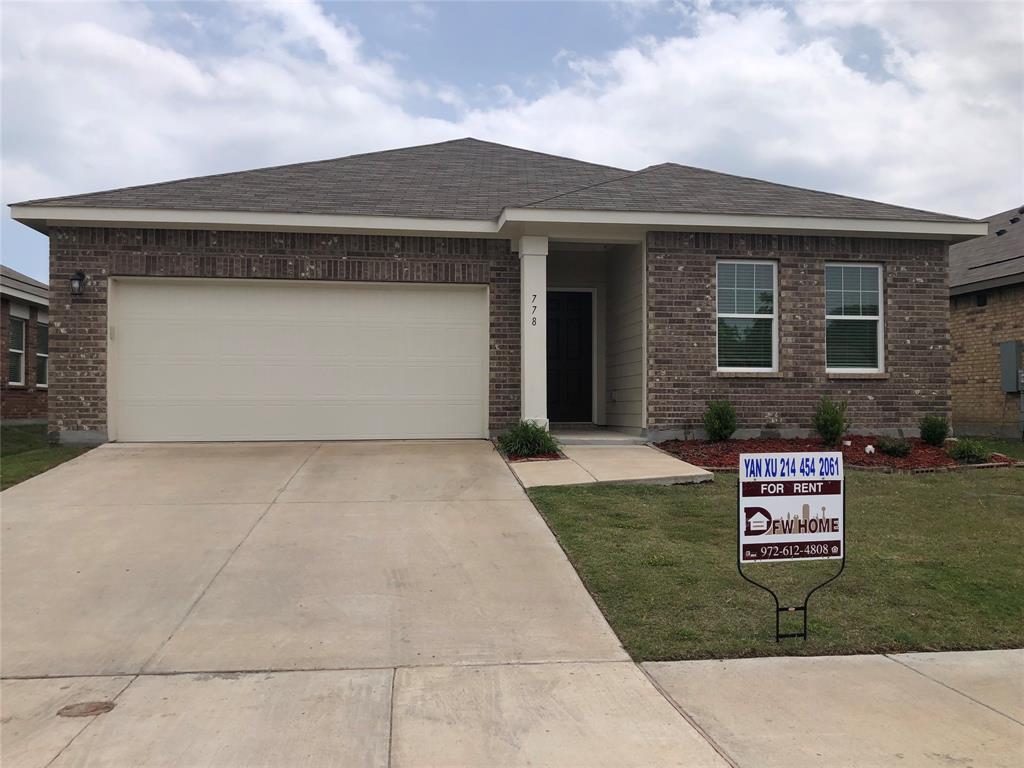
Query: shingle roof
462,179
10,278
992,260
472,179
672,188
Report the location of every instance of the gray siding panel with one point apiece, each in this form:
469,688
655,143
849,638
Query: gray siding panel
624,394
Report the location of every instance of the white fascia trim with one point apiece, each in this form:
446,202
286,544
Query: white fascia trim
749,222
14,293
41,217
244,220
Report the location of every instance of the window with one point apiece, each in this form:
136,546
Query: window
853,318
42,354
16,352
746,316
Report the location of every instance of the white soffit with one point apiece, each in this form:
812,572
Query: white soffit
744,223
31,298
513,222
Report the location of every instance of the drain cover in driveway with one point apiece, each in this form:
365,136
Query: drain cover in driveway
86,709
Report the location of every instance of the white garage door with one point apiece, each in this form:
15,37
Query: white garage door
276,360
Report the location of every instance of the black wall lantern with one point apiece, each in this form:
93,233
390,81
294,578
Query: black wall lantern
77,282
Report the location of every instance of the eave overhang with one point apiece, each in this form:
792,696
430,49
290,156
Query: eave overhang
987,284
609,226
24,297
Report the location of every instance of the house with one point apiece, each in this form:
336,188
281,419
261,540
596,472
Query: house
24,349
758,521
449,290
986,308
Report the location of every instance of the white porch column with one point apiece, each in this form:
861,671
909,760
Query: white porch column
533,282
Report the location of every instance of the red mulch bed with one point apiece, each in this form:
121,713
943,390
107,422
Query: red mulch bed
538,457
726,454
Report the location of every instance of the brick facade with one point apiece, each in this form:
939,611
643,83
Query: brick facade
682,334
78,348
979,404
20,402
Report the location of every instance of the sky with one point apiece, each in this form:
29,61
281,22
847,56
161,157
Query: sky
914,103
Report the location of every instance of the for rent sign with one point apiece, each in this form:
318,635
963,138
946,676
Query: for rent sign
791,507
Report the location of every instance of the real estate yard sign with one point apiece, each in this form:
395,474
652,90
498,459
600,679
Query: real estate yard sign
791,507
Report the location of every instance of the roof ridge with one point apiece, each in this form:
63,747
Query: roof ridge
542,154
817,191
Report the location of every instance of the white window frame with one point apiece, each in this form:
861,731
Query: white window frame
880,318
20,381
746,316
44,355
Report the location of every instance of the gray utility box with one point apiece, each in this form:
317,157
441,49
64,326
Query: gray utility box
1011,364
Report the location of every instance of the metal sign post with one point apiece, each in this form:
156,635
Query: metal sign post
792,506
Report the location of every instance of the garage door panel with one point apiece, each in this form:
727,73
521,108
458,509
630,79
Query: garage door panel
231,360
241,420
382,341
188,378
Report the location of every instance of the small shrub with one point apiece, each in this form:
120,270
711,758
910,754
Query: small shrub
830,420
968,451
720,420
893,446
934,430
526,439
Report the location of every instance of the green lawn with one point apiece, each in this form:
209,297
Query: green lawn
934,563
24,453
1012,448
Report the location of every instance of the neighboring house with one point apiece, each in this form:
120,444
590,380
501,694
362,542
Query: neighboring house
24,330
449,290
986,289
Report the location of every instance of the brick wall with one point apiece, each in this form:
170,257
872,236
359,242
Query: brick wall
26,401
78,386
979,404
682,333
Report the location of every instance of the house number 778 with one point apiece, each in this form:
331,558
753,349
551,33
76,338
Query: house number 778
533,309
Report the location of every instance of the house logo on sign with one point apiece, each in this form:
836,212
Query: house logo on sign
758,521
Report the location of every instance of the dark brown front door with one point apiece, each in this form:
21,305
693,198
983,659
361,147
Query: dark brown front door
570,356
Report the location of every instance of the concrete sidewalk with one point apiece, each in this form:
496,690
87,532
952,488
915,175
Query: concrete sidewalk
586,464
917,710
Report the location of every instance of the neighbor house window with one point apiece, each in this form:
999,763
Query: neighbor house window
747,307
42,354
853,318
16,352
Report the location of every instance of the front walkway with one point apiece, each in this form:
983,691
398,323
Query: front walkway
584,464
364,604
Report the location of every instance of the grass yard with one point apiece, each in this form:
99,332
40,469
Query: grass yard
1012,448
935,562
24,453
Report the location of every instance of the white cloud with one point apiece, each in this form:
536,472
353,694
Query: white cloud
97,96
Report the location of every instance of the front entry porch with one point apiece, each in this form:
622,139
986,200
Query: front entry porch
583,339
594,434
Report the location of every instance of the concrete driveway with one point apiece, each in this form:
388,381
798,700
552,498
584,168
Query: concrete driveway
354,604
